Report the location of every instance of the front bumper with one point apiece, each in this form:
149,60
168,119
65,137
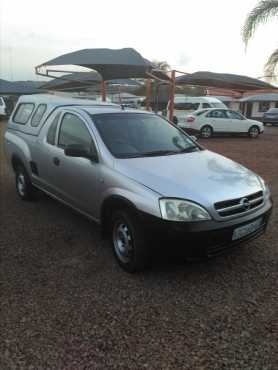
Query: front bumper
206,238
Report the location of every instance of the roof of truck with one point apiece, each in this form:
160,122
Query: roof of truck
57,100
52,102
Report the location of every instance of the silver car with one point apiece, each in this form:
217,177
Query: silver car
142,178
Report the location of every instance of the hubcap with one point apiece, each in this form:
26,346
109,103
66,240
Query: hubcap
21,184
122,242
254,132
206,132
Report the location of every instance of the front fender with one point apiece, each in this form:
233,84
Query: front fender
16,147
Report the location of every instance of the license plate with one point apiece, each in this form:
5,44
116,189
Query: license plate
242,231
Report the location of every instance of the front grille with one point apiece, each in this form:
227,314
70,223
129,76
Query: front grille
220,248
240,205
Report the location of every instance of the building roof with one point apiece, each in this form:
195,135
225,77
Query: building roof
260,97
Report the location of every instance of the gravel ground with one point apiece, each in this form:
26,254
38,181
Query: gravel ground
65,304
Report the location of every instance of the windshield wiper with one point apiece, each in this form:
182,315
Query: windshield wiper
159,152
189,149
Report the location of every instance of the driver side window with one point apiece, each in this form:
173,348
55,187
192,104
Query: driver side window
51,134
217,114
234,115
73,131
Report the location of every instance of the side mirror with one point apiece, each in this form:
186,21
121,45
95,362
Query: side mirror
194,138
76,150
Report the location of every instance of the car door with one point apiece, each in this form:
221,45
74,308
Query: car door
72,179
237,122
218,120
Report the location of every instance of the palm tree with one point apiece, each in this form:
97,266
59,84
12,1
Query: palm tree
262,12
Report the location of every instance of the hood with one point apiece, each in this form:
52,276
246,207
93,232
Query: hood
255,122
204,177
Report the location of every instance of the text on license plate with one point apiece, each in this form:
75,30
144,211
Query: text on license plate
242,231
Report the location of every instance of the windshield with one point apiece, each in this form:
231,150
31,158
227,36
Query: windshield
129,135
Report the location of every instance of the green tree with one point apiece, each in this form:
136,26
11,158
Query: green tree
162,65
263,12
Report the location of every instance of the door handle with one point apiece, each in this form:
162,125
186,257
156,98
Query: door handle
56,161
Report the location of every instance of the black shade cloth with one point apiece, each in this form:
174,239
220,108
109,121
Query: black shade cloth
109,63
223,80
82,81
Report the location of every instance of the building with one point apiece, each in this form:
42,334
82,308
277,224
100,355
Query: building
255,106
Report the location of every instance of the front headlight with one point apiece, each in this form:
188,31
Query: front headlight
265,187
182,210
266,191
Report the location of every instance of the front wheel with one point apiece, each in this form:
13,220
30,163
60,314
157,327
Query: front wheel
253,132
128,241
23,184
206,132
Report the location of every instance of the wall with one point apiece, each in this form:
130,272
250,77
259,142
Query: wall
234,105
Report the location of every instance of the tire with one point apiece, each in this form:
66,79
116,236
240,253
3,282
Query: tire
24,187
129,244
206,132
254,132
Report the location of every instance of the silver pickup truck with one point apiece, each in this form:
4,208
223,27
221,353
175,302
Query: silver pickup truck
140,177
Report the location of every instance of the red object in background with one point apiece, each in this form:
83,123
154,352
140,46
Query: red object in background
190,119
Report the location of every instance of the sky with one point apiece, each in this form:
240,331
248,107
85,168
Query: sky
190,35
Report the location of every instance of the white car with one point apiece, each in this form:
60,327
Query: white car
209,122
6,107
186,105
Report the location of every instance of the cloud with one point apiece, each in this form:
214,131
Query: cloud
184,59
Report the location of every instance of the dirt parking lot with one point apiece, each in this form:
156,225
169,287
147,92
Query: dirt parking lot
65,304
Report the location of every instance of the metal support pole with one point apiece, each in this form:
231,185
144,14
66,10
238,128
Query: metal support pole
148,93
103,90
172,95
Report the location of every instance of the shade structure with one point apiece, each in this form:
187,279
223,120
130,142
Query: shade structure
223,80
109,63
78,81
82,81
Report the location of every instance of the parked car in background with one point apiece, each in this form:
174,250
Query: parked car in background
271,116
6,107
140,177
209,122
185,105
